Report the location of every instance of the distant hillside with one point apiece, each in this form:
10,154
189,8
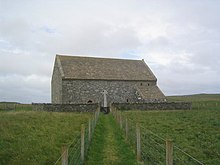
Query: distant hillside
6,102
195,98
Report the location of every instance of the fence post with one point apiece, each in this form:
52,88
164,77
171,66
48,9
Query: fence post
126,128
138,135
89,131
64,159
116,116
92,120
82,142
120,120
169,152
95,117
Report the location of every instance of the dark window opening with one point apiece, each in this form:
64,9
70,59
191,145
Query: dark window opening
141,84
148,84
90,101
127,100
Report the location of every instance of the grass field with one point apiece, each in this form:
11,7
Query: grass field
30,137
196,98
196,132
11,106
109,146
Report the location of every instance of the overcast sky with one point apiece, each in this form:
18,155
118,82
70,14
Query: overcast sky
178,39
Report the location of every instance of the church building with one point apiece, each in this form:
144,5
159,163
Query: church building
81,80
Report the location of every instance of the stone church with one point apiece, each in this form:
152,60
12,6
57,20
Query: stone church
80,80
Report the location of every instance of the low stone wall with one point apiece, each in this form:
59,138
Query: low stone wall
65,107
153,106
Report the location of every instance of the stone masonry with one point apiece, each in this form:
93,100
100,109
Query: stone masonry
152,106
86,91
81,80
65,107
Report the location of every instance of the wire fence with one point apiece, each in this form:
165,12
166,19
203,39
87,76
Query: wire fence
151,148
75,152
182,157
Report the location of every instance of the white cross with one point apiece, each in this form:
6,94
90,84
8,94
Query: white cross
105,97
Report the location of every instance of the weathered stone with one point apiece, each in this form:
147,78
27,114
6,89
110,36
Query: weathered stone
66,107
79,80
153,106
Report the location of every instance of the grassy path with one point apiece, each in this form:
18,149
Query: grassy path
108,145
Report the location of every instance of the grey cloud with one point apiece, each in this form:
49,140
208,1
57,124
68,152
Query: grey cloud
25,63
25,88
178,39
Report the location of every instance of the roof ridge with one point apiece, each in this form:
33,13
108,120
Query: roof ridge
79,56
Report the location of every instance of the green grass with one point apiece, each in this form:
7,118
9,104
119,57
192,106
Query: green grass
108,144
7,106
31,137
195,98
197,131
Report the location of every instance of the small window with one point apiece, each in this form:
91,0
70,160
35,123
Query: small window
148,84
90,101
141,84
127,100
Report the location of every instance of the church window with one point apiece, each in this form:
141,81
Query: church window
90,101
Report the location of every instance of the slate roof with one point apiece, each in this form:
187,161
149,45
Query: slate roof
150,92
92,68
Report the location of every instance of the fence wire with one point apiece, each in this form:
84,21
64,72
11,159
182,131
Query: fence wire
181,157
153,146
74,149
74,152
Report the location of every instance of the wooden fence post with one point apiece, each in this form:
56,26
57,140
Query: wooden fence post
117,116
169,152
126,128
120,120
97,115
138,135
82,142
89,131
92,120
64,159
95,118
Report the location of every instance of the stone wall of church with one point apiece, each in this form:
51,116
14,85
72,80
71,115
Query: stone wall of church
56,85
84,91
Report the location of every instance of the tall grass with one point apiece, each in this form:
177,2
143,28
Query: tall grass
7,106
196,131
28,137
